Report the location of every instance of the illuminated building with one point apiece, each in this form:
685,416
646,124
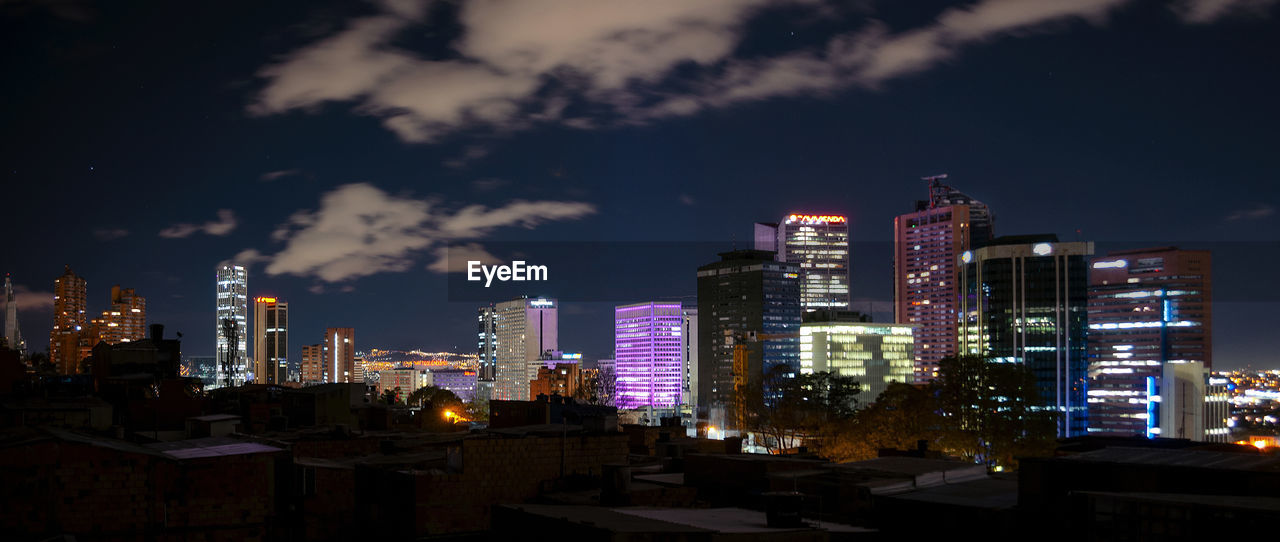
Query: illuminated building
340,355
487,342
927,245
232,325
270,340
689,349
647,348
125,321
1025,302
313,366
524,328
561,379
69,297
1148,309
462,382
12,331
875,355
751,298
404,381
819,244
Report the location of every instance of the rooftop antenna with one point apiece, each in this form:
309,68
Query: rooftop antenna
937,190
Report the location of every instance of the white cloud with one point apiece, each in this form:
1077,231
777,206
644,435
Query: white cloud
1207,11
359,230
592,63
1256,212
225,223
273,175
453,259
29,300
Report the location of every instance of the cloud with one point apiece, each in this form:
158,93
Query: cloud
588,64
1207,11
453,259
686,199
488,184
1261,210
273,175
110,234
360,230
470,154
225,223
29,300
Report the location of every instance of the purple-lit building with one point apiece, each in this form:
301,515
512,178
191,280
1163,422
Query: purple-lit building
650,368
462,382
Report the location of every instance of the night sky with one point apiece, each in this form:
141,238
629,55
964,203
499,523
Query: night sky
337,148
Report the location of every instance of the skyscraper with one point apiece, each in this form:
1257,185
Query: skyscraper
12,331
270,340
819,244
1025,302
751,301
69,297
340,355
927,245
125,320
647,344
312,366
524,328
231,328
1148,309
486,343
875,355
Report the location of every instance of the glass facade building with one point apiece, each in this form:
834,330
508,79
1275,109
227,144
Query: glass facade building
523,328
649,355
270,340
819,245
875,355
231,329
1025,302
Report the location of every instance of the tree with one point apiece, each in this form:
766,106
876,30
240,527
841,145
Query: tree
786,410
435,398
390,396
994,411
899,418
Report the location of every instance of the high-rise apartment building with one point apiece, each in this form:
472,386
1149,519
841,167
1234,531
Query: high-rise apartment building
1025,302
1148,309
819,244
69,298
647,347
875,355
313,367
689,349
524,328
749,301
232,325
486,343
124,321
12,331
340,356
927,245
270,340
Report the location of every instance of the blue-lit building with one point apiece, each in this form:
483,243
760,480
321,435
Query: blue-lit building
1025,301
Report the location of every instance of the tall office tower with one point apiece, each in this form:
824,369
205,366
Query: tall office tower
927,245
231,328
340,355
12,331
487,343
125,321
1147,309
819,244
1026,302
313,367
647,342
524,328
68,321
689,349
270,340
844,343
750,301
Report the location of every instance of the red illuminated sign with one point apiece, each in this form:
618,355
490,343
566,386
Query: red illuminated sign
816,219
265,299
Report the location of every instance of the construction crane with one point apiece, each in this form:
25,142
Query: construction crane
741,368
937,190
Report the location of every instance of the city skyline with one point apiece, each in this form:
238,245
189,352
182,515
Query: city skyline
1128,143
